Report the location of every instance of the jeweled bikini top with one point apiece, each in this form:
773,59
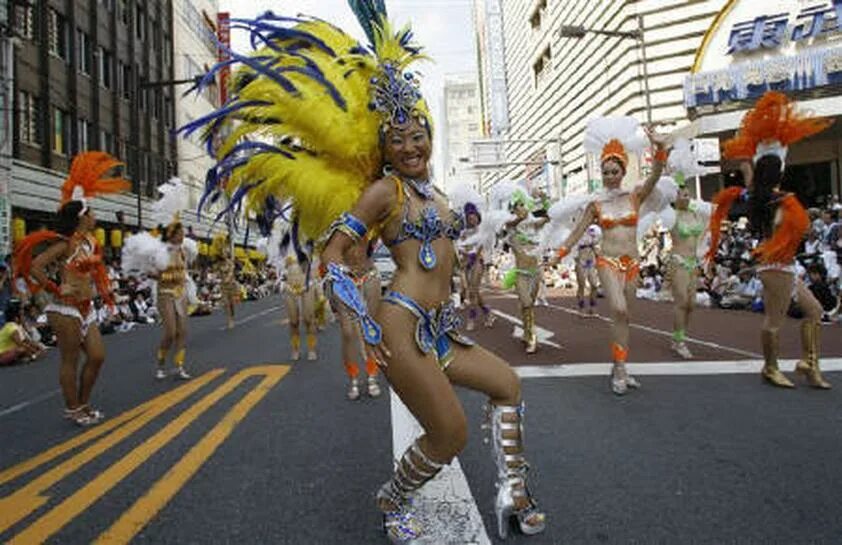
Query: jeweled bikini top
428,226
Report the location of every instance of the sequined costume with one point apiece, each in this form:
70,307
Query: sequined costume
330,102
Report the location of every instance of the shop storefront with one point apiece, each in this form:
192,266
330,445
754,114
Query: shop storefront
792,46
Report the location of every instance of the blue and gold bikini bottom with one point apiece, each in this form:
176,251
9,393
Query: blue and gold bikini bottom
436,328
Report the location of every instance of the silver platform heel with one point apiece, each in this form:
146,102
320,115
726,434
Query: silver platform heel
507,438
414,469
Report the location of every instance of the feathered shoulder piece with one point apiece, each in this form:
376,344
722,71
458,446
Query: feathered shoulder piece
307,107
770,127
614,138
87,180
722,202
792,224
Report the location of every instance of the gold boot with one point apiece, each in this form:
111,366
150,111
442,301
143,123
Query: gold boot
809,364
770,372
529,335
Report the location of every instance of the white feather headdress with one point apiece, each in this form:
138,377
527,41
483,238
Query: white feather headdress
175,197
615,137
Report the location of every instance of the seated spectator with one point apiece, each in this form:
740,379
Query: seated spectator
822,292
36,325
15,345
745,294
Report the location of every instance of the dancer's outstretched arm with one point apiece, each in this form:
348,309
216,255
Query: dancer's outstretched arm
578,232
660,148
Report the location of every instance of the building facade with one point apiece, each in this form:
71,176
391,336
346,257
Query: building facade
556,81
195,31
462,126
91,75
791,46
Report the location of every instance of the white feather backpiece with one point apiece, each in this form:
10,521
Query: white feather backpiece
492,224
463,194
143,253
683,160
564,215
627,130
175,197
191,250
502,193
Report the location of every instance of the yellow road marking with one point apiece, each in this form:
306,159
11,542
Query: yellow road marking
55,519
22,502
145,509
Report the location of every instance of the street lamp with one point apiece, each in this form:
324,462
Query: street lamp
579,32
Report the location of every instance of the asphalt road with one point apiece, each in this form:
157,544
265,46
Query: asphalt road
257,449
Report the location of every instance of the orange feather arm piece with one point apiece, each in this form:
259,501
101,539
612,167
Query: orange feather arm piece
793,224
24,250
87,171
723,202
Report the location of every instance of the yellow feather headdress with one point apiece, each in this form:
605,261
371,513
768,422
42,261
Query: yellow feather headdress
303,124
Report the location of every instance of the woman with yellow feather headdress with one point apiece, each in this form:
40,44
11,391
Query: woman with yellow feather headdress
780,221
350,145
71,313
616,211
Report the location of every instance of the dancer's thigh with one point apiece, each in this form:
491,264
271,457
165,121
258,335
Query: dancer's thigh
476,368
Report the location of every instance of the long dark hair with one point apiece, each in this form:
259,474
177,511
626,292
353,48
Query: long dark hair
68,217
768,175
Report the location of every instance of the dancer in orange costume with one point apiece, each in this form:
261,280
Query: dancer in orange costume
780,221
71,313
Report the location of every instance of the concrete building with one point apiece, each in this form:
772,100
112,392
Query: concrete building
87,76
462,125
554,84
787,45
194,31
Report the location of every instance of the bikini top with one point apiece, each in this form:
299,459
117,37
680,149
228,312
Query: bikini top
427,227
609,222
689,230
84,258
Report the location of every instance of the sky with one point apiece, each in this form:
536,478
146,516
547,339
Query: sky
444,27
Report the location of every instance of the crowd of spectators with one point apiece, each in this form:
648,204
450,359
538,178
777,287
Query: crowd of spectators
28,333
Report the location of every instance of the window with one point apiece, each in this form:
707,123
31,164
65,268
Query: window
542,66
107,4
121,150
60,131
25,23
83,52
57,34
140,22
537,16
28,119
167,52
155,95
168,121
125,80
106,66
106,141
83,134
124,11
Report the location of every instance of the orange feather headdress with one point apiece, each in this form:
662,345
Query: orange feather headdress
614,138
770,127
86,180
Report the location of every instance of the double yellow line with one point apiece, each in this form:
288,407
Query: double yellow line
35,494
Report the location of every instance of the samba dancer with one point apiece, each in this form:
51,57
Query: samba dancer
360,110
74,249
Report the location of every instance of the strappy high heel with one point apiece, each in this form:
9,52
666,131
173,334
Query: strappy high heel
400,522
507,437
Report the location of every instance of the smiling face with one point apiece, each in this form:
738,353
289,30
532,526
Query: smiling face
407,149
612,173
472,219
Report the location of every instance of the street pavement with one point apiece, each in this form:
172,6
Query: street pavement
258,449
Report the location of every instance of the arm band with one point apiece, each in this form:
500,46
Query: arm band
661,155
349,225
562,252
